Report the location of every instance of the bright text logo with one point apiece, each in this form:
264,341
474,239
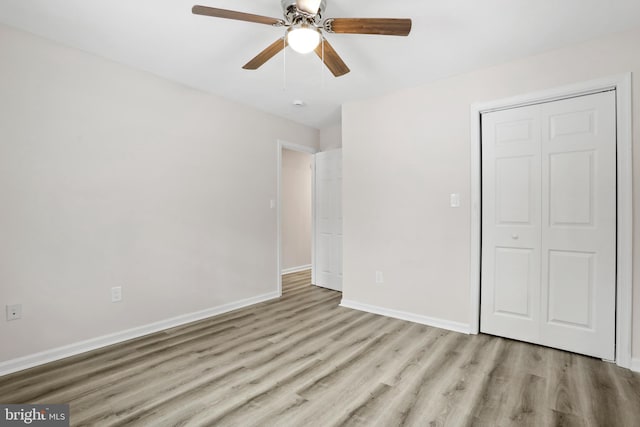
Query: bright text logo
37,415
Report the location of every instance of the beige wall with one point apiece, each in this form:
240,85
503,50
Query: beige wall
331,137
296,209
406,152
113,177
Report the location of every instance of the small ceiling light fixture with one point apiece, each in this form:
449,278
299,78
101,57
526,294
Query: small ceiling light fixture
303,38
299,103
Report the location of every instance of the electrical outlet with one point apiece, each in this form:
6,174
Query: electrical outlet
379,277
116,294
14,312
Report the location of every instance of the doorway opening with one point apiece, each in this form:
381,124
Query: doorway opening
295,211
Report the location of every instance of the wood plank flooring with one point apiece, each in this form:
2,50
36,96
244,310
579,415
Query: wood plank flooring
302,360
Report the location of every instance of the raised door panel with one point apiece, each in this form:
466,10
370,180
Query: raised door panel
323,253
514,196
572,124
513,283
338,260
571,189
571,296
514,131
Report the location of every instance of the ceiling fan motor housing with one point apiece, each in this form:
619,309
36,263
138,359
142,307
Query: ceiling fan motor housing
294,15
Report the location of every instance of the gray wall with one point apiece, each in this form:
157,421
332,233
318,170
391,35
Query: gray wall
403,155
331,137
113,177
296,209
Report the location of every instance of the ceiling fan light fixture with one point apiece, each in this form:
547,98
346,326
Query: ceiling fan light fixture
303,38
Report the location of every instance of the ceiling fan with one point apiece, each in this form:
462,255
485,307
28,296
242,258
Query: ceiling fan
304,25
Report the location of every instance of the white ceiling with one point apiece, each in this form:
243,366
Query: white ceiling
448,37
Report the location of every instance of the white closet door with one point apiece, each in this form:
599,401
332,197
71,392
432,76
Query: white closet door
549,224
328,239
579,224
511,223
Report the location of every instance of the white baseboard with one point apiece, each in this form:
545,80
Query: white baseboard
635,364
25,362
411,317
296,269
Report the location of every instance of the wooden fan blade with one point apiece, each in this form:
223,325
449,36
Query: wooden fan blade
309,6
380,26
232,14
332,60
265,55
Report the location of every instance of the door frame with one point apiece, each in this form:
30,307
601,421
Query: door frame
624,255
284,145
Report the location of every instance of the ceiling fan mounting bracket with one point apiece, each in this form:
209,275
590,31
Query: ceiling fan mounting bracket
327,25
295,15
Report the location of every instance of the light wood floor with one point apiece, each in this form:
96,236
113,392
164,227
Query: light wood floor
303,361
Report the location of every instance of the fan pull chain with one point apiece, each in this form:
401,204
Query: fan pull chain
322,71
284,65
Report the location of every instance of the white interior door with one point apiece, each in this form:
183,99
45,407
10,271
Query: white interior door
549,224
328,239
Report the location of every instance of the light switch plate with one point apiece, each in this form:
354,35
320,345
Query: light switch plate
116,294
454,200
379,277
